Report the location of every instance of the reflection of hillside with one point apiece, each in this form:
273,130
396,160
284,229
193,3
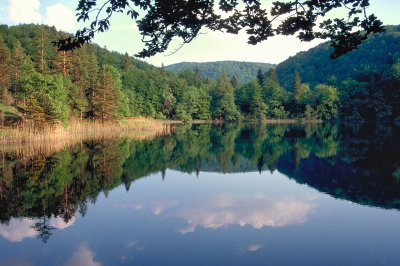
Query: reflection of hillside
364,171
240,165
344,181
360,164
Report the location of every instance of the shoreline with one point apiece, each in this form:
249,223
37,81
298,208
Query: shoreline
133,128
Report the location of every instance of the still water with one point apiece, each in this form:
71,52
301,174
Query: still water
234,194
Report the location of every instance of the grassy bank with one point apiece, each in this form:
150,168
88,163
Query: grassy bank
134,128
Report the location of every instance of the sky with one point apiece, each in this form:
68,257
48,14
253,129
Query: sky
123,35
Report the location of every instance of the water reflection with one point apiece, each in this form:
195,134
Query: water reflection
359,163
19,228
256,210
82,256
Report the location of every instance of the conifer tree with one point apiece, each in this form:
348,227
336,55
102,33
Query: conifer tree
257,106
4,65
35,112
260,76
41,56
106,98
223,85
235,82
63,62
296,96
296,87
224,102
273,76
79,75
93,70
197,78
163,71
18,58
126,62
4,77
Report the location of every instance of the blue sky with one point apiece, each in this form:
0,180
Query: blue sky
210,46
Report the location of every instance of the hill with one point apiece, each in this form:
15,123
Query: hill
315,66
244,71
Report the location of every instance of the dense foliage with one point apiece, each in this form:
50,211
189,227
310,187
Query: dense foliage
315,66
244,71
367,79
42,87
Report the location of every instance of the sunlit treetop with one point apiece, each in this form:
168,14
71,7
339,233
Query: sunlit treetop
160,21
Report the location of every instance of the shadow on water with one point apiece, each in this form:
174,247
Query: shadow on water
359,163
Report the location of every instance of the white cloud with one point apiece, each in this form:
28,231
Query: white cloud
83,256
60,16
25,11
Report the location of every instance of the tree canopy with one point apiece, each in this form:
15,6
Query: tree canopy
161,21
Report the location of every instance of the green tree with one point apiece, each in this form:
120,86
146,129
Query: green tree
197,77
18,59
35,112
296,96
106,98
4,77
276,98
354,98
296,88
260,76
188,105
126,61
79,76
4,65
258,109
41,55
93,71
223,101
226,108
273,76
327,100
234,82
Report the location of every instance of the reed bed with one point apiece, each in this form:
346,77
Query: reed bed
29,142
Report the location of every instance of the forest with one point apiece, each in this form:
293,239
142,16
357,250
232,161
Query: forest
42,87
244,71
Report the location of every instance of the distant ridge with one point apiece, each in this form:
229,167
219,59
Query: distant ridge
315,66
244,71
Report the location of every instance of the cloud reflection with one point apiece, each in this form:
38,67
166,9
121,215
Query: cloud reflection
83,256
18,229
251,248
255,210
158,207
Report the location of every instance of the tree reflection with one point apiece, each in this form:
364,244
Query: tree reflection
354,162
44,229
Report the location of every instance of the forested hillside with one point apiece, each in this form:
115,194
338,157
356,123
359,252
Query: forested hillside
315,66
244,71
42,87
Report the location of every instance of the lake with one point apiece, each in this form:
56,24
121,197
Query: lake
231,194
